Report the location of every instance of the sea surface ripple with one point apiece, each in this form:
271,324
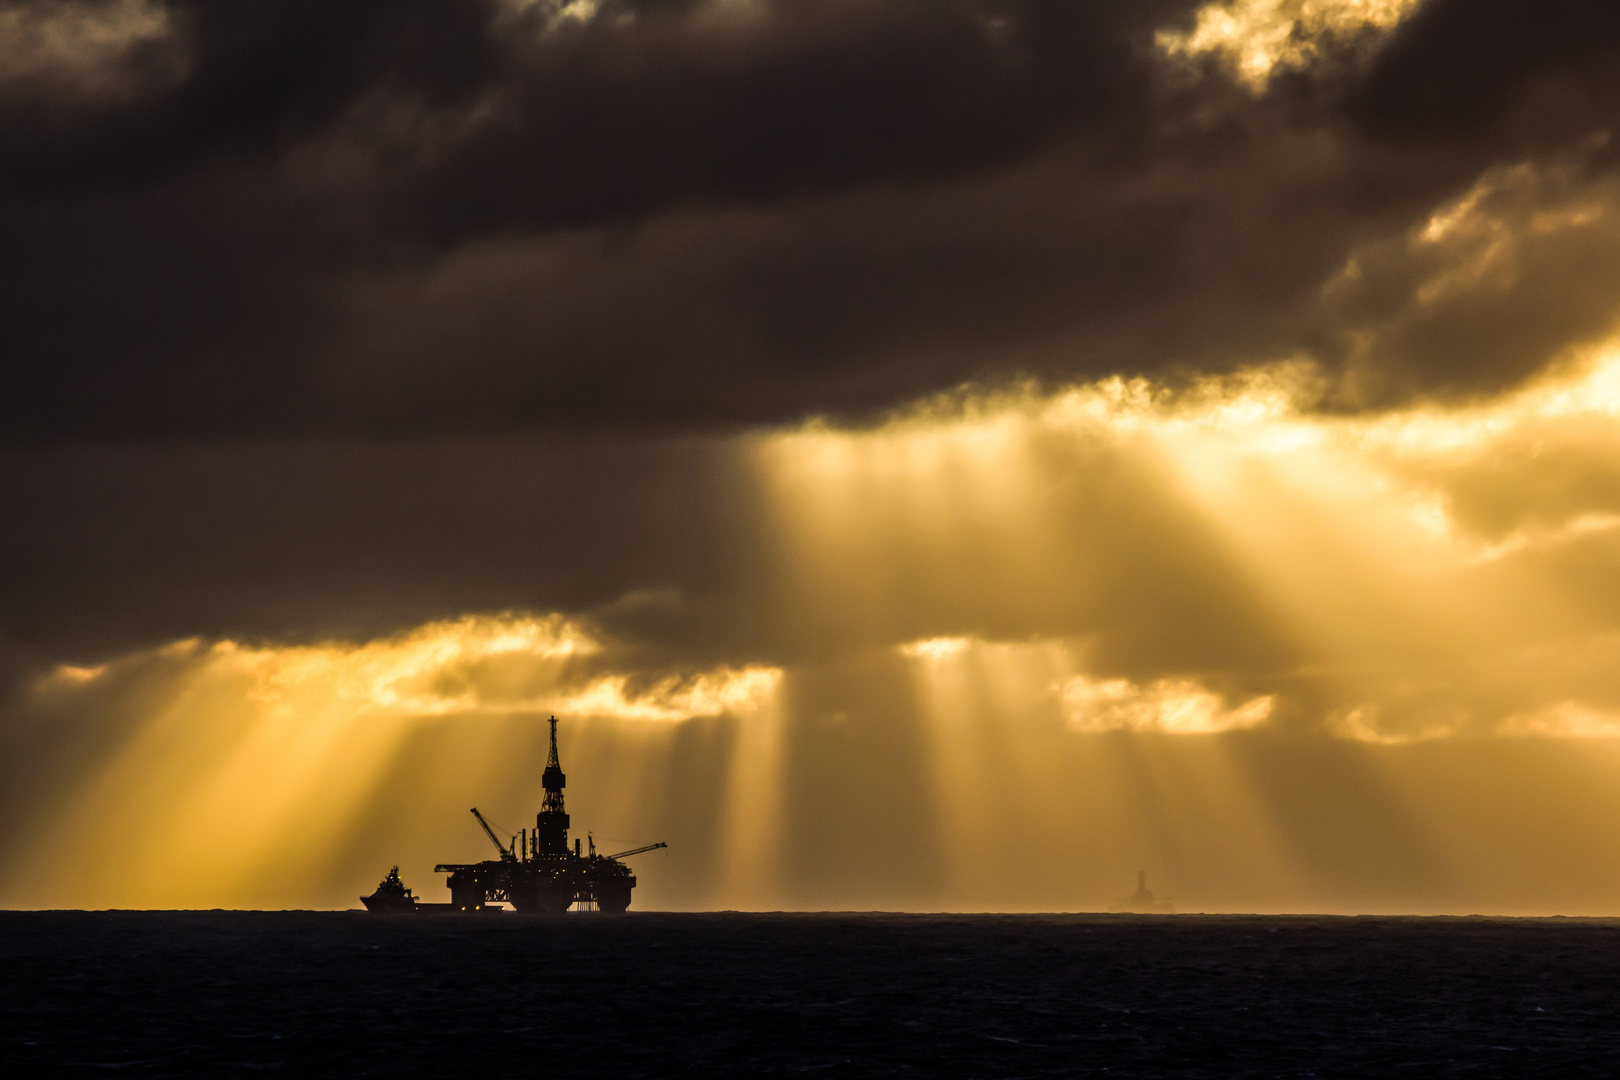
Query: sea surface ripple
842,995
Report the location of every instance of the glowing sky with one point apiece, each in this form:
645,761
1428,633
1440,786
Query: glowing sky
928,456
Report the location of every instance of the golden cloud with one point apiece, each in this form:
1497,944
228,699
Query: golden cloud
475,665
1168,706
1258,36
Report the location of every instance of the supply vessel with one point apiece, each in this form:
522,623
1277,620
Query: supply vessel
536,872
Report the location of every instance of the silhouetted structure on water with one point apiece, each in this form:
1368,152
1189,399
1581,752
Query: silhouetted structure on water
537,872
1143,900
391,895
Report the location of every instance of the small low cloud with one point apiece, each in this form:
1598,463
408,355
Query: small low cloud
937,648
1561,720
724,691
1565,720
1167,706
1369,723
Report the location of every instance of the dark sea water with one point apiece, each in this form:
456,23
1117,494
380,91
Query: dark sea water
588,995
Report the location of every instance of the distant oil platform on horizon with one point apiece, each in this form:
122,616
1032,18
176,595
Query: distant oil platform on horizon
1142,901
536,872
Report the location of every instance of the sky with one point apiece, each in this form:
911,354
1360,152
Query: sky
929,454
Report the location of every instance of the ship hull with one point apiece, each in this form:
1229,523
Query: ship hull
543,886
390,895
389,904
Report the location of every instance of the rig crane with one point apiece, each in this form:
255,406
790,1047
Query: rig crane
508,854
637,851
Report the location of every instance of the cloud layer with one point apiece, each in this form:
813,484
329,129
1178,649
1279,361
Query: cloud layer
457,218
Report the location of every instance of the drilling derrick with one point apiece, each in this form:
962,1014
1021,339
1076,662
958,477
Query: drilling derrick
541,874
551,823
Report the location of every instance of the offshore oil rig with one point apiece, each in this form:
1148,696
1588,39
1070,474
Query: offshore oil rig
536,872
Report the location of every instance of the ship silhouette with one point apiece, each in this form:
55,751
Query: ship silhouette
536,872
391,895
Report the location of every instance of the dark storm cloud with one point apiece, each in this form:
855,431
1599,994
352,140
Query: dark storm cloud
672,548
463,218
606,122
111,547
1494,76
252,77
276,220
645,104
185,259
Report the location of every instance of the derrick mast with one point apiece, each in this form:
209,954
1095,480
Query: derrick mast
551,823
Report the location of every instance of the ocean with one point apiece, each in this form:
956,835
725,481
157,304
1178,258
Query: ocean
350,994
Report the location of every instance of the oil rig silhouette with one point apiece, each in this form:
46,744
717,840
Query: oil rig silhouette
1143,900
536,872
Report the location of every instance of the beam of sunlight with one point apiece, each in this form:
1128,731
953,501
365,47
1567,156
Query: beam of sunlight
1019,785
246,764
1216,632
752,823
1384,551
